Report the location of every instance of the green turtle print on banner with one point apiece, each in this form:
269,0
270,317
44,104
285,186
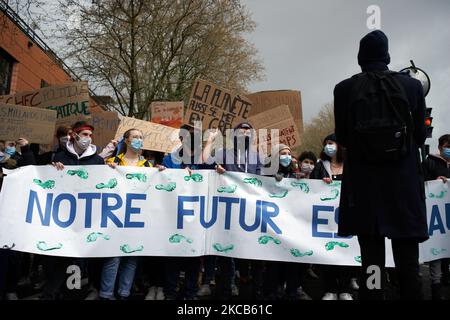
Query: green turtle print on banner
93,236
220,248
334,195
266,239
332,244
281,194
227,189
196,177
125,248
298,254
166,187
441,195
436,251
43,246
358,259
81,173
49,184
254,181
176,238
112,183
142,177
303,186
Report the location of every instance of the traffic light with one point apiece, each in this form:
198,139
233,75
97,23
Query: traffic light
428,122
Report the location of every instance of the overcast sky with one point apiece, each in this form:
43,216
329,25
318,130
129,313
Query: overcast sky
312,45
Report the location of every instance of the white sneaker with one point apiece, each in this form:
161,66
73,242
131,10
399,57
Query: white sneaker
330,296
160,294
93,295
151,294
345,296
234,290
205,290
12,296
354,284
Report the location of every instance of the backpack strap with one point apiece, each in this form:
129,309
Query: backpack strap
117,160
147,164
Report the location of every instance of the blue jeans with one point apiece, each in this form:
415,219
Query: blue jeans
126,276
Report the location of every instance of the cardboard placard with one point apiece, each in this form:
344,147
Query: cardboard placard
105,127
157,137
167,113
266,100
216,107
70,101
35,125
277,118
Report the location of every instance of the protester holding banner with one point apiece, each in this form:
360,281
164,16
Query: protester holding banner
329,168
79,151
128,156
307,160
62,136
11,261
278,273
437,166
183,158
243,157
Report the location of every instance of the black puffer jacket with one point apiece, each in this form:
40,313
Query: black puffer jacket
69,157
435,166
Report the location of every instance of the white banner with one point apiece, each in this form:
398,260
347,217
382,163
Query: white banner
96,211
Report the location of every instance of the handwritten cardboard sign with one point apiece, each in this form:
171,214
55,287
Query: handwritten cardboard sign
35,125
277,118
266,100
105,127
216,107
157,137
70,101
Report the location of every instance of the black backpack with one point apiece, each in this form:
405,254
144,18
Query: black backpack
380,119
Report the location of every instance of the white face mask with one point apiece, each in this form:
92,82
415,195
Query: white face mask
83,143
330,150
307,168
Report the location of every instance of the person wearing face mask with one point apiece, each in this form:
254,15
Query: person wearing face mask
11,262
337,279
437,166
182,158
123,267
242,157
277,273
62,136
79,151
307,161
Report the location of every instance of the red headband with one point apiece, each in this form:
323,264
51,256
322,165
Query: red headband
79,129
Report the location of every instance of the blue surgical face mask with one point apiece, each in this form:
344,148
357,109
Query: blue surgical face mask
285,160
446,153
330,150
136,144
10,151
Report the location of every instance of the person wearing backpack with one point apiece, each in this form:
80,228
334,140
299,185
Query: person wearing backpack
380,120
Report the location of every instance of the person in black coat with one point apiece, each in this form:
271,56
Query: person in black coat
437,166
79,151
11,262
388,199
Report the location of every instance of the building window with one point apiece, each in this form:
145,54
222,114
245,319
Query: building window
44,83
6,65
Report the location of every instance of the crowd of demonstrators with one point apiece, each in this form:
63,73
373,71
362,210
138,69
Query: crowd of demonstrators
437,166
162,277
